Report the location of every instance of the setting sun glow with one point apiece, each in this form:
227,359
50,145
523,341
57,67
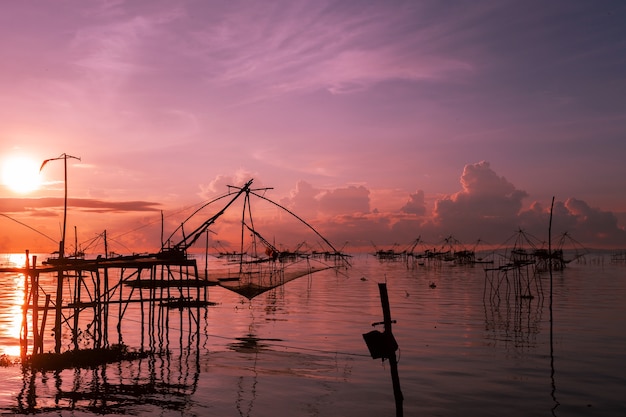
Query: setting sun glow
20,174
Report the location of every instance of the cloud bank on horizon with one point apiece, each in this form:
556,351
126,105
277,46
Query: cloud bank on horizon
488,208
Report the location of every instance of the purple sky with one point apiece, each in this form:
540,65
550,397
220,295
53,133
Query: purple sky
377,121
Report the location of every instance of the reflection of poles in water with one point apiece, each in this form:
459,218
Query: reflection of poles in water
513,322
241,390
248,344
553,393
167,375
28,392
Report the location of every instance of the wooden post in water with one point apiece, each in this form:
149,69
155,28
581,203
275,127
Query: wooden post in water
43,322
35,300
76,301
107,295
59,299
393,363
24,334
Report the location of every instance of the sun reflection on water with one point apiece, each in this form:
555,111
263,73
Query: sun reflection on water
13,351
11,299
13,260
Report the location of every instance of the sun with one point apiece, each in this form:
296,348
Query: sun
20,174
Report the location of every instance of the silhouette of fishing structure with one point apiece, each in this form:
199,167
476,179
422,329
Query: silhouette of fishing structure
519,273
420,253
513,289
93,295
618,257
513,293
259,265
531,250
389,254
163,372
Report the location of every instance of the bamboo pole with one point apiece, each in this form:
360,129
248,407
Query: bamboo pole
106,292
77,300
35,296
59,300
24,333
393,363
43,322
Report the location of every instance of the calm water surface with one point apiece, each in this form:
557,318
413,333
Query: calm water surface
298,350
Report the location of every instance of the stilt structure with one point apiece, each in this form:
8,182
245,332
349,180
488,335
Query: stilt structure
92,310
93,295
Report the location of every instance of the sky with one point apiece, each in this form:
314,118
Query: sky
377,122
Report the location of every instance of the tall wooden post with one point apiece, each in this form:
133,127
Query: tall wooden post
24,335
35,299
59,300
43,322
107,296
61,266
393,362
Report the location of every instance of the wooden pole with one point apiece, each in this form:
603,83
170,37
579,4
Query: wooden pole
107,295
24,335
43,322
61,266
553,391
393,363
76,301
59,301
206,265
35,293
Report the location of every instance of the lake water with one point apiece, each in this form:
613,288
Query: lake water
298,350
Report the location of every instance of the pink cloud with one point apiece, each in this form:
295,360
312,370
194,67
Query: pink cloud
324,203
416,204
594,225
486,204
42,206
345,200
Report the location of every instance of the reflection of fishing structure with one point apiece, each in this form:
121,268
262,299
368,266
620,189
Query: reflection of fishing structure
513,294
513,291
93,298
513,300
163,373
94,294
96,371
520,272
515,323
